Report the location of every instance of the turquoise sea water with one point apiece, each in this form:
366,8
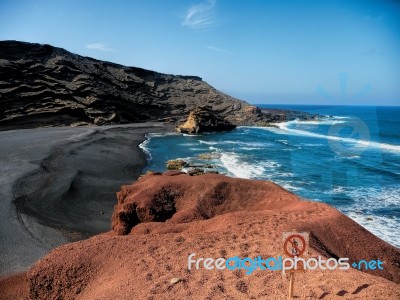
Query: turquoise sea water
350,159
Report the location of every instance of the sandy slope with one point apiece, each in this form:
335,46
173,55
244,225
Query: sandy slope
212,216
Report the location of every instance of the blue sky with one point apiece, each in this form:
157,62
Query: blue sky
297,52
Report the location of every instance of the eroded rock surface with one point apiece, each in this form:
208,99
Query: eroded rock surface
204,120
41,85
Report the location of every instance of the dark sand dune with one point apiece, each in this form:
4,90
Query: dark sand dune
58,185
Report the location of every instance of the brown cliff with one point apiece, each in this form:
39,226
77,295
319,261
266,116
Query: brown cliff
41,85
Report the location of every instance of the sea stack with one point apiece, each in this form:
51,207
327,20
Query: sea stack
203,119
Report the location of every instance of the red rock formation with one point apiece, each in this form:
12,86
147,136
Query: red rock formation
163,218
180,199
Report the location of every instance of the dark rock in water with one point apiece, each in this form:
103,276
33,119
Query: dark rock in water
213,172
176,164
41,85
204,166
204,120
195,172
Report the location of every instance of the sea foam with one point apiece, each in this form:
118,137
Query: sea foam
146,150
233,164
285,129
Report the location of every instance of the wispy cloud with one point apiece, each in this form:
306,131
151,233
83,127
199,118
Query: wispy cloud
219,49
201,16
99,46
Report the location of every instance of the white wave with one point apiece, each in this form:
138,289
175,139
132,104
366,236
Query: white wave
185,170
238,143
370,200
246,144
212,148
342,117
285,142
338,190
143,146
284,129
240,169
383,227
388,196
287,185
318,122
151,135
208,142
244,131
284,174
270,164
249,148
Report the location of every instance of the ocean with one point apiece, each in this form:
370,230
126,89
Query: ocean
349,159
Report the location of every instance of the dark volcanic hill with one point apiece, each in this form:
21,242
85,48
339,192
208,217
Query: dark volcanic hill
41,85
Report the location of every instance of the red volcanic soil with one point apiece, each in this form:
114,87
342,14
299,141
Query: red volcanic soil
162,218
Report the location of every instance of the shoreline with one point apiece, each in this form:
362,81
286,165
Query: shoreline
237,156
78,265
49,179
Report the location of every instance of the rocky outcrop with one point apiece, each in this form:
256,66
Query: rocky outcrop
192,169
181,198
162,218
204,120
41,85
176,164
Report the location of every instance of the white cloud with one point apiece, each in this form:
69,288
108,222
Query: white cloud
98,46
219,49
201,16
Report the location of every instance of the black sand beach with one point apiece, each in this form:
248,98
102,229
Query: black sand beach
58,185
